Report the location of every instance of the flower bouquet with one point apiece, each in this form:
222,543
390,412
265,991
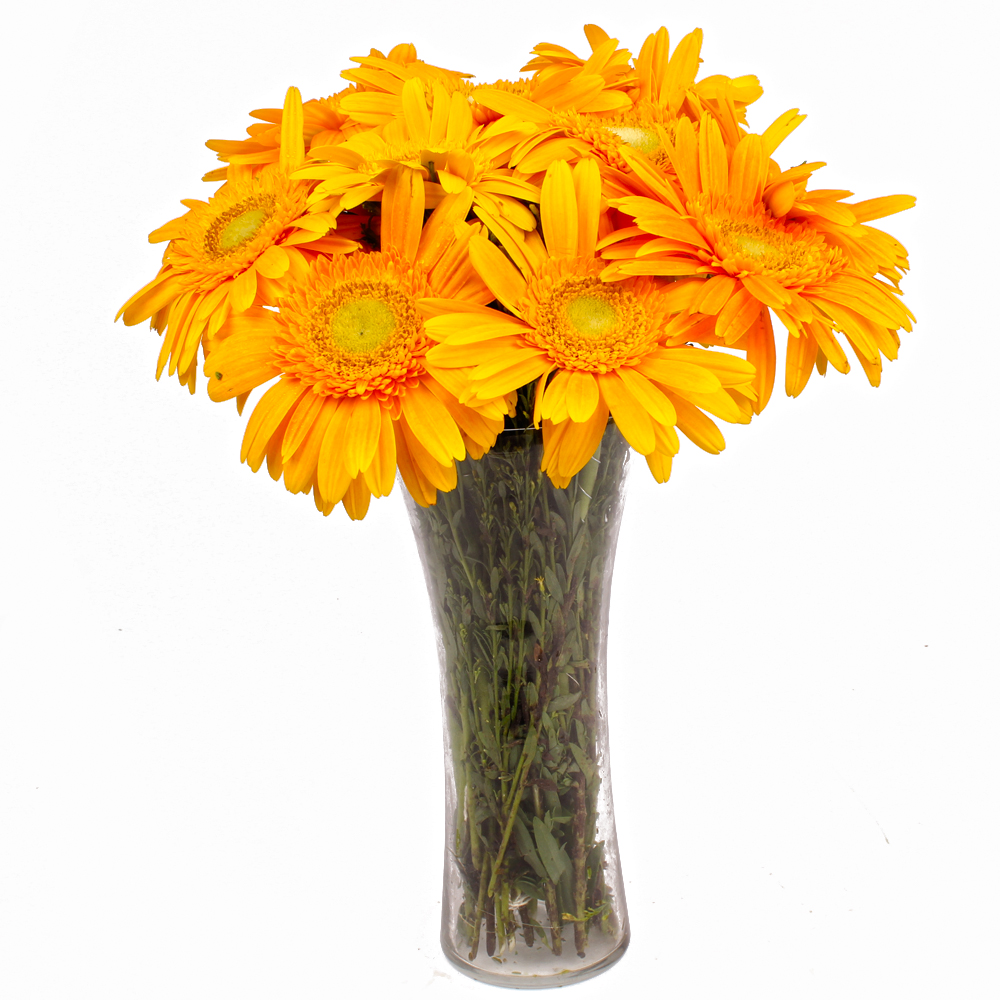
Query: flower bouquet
499,291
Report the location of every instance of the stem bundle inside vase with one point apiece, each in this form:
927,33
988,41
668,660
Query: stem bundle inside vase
519,575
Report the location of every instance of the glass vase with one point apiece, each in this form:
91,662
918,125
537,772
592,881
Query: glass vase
519,577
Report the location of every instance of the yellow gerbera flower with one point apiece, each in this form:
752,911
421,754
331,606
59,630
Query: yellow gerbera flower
604,342
763,243
598,84
560,80
324,122
663,91
437,139
356,396
380,80
667,81
237,249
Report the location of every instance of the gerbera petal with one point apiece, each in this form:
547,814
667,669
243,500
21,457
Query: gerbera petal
581,395
363,433
440,476
737,316
239,366
502,278
558,210
678,374
780,129
872,369
720,404
696,427
713,294
653,400
432,425
293,151
800,356
713,165
273,262
748,171
877,208
356,498
332,476
243,290
831,349
523,371
439,229
403,210
419,486
633,421
270,410
579,442
759,345
300,464
766,290
587,184
555,405
150,299
381,473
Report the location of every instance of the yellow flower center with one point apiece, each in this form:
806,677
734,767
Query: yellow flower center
361,326
362,329
238,225
789,252
586,324
645,140
352,327
644,128
590,316
771,249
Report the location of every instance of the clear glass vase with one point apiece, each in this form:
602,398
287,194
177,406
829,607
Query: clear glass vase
519,576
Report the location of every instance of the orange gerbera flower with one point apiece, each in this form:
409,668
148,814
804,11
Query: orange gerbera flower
237,249
764,243
356,396
595,348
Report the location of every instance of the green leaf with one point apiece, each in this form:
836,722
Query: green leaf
575,550
553,585
527,846
488,742
564,701
553,855
530,747
536,544
584,762
531,692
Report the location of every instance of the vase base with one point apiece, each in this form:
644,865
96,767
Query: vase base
535,971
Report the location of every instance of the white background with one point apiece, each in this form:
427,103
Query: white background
220,742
